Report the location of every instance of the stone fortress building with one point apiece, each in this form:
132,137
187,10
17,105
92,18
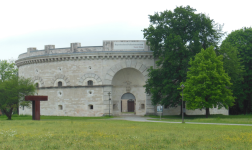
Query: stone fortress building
77,79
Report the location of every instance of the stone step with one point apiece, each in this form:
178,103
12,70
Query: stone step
127,114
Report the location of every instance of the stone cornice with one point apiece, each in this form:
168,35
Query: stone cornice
77,86
85,56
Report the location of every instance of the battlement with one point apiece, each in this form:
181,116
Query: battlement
108,45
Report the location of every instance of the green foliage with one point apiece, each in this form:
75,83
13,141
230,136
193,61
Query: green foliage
12,93
175,37
242,41
7,70
231,62
207,84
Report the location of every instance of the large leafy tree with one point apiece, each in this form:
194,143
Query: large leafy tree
232,65
12,93
7,70
175,37
207,84
242,41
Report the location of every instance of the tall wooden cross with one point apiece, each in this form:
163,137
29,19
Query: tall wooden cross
36,105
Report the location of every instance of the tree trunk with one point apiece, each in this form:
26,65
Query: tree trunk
181,112
8,114
207,109
207,112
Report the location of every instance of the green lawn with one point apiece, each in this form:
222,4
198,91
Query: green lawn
232,119
101,133
27,117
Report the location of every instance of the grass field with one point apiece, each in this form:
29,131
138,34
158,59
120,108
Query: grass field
27,117
101,133
232,119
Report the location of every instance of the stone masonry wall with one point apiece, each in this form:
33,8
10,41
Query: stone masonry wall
76,65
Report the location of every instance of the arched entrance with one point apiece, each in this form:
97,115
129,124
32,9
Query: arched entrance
128,90
128,102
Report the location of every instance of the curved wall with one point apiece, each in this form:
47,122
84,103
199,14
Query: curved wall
118,67
76,97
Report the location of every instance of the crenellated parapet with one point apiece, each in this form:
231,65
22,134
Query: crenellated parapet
84,56
108,46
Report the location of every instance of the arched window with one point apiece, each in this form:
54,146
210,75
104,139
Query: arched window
90,82
37,85
59,84
60,107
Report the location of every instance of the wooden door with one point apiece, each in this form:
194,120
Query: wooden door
131,106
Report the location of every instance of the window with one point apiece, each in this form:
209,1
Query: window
37,85
142,106
60,107
91,106
114,106
90,82
59,84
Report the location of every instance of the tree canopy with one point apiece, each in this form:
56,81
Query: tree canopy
207,84
241,40
7,70
13,88
12,93
175,37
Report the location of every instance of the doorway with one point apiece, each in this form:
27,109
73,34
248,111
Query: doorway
131,105
128,103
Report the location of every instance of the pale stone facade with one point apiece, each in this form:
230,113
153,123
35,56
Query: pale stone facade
118,67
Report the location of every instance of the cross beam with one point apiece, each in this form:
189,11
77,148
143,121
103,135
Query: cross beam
36,105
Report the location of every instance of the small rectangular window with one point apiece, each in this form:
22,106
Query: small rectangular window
60,107
90,83
142,106
90,106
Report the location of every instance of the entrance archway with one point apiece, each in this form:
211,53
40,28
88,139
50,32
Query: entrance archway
128,102
128,84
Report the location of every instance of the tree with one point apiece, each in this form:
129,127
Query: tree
7,70
242,41
232,65
207,84
12,93
175,37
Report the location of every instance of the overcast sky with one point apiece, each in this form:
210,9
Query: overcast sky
34,23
